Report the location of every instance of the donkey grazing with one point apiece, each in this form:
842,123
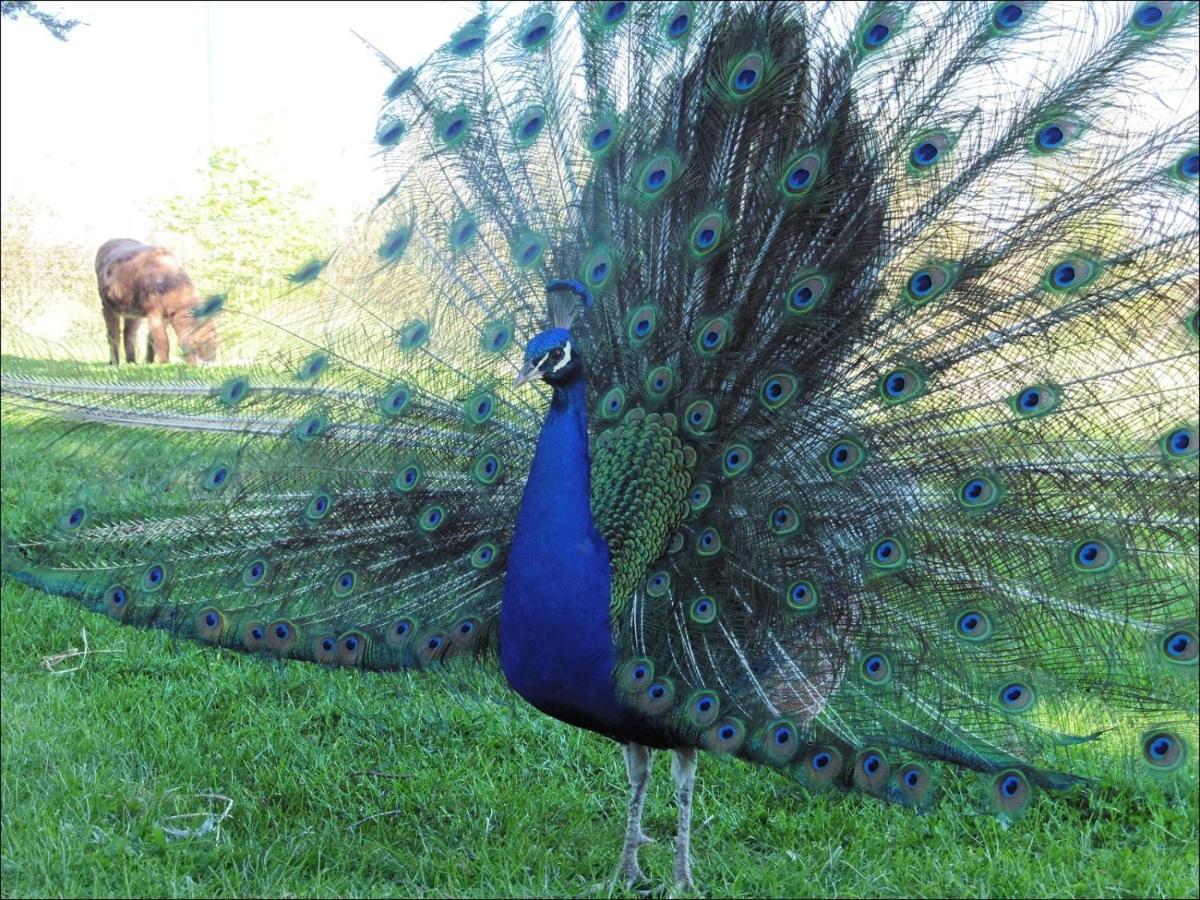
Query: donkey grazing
136,282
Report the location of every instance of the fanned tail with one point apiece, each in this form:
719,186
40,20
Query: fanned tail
892,371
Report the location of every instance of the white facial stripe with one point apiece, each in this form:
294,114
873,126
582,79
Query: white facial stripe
566,357
541,362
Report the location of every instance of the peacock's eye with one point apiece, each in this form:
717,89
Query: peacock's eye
556,354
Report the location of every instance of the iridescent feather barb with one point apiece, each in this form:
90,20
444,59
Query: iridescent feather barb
871,450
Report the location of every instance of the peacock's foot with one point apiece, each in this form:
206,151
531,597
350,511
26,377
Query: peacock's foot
630,872
626,878
683,881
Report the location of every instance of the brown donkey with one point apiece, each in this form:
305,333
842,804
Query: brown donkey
136,282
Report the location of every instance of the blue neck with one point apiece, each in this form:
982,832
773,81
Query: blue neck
557,498
556,646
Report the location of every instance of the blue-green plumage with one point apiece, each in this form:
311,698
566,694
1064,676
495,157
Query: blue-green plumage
855,425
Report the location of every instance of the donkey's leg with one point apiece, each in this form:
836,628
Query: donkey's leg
160,349
112,323
132,326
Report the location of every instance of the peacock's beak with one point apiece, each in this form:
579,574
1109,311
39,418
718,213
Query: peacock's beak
528,372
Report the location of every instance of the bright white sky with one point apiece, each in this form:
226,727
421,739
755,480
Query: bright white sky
128,107
121,112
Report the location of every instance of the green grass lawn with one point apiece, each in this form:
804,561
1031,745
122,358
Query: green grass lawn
295,780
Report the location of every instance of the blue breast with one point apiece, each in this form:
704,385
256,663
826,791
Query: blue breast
556,640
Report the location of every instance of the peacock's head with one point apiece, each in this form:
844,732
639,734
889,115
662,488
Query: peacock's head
551,355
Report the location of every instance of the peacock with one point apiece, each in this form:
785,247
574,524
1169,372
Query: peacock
854,423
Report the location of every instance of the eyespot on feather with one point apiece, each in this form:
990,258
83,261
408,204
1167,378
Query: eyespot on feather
726,736
888,553
703,610
1011,793
699,417
528,126
253,636
1036,401
973,626
343,583
255,572
806,293
210,624
282,636
351,647
915,784
777,390
821,766
465,633
930,282
117,601
467,40
871,770
395,400
400,632
801,174
324,649
312,367
745,75
1071,274
463,232
846,455
707,234
536,31
980,492
484,555
703,708
876,669
234,391
901,384
712,336
1093,556
1180,646
929,151
1016,697
1053,134
480,407
155,578
677,22
634,676
1008,15
659,696
527,249
1151,17
1164,751
709,543
413,335
736,459
658,585
780,741
453,127
877,31
655,175
802,596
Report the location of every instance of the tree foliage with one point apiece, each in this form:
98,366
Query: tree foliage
243,228
55,24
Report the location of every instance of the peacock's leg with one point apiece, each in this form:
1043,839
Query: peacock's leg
683,773
637,765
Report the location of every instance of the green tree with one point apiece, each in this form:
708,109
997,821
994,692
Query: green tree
47,286
55,24
243,229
